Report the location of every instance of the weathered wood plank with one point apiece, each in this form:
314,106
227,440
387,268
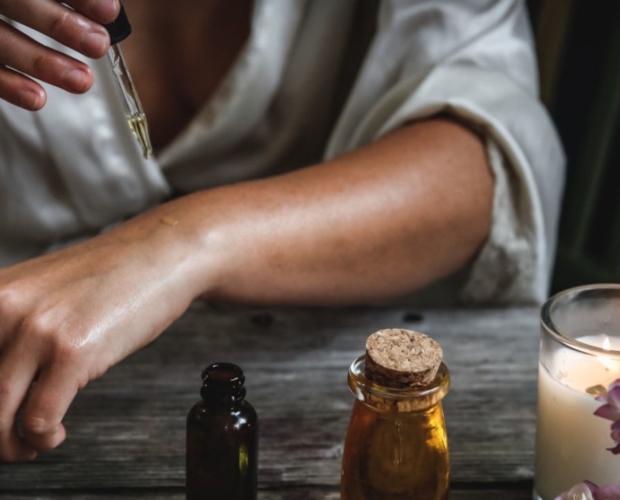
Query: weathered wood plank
284,494
127,429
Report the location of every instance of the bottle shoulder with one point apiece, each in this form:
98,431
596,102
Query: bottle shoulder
236,416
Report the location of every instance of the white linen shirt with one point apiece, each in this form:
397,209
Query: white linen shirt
74,168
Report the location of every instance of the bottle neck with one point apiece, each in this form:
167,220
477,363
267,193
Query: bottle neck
402,400
223,386
217,398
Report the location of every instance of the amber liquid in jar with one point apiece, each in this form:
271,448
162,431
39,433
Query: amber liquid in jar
396,446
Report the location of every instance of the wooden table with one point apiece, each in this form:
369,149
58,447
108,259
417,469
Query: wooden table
126,432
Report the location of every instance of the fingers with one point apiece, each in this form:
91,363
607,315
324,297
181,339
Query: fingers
60,23
48,403
45,407
21,90
16,375
77,25
23,54
30,344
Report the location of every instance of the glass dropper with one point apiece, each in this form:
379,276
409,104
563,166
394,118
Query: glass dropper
119,30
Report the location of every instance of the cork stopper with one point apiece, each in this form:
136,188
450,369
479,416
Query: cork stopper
402,358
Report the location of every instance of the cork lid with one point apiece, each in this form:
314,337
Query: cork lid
402,358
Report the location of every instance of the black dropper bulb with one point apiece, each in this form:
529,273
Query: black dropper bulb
120,28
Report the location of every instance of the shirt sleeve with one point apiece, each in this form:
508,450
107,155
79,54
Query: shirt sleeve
473,59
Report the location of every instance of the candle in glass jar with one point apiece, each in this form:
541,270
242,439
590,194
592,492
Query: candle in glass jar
572,442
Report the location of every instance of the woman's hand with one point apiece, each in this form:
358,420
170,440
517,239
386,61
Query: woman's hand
22,58
67,317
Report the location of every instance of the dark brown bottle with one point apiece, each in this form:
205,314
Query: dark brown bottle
222,439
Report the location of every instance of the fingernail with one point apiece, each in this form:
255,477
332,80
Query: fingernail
31,100
77,80
112,3
96,43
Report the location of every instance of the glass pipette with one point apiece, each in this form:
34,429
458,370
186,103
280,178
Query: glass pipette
119,30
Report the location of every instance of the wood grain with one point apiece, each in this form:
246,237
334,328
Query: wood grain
127,430
285,494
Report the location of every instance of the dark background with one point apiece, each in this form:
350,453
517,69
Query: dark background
578,44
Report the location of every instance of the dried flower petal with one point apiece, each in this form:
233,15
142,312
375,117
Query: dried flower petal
615,431
590,491
611,492
613,395
615,450
608,412
611,411
578,492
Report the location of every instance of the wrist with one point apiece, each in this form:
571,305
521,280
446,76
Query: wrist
183,245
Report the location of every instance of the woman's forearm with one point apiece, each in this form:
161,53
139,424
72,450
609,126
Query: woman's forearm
381,221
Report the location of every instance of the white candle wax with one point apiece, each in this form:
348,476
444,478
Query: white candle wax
572,442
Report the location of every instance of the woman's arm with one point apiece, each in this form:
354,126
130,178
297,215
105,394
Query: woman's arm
381,221
376,223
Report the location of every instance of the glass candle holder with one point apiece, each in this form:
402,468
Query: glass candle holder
578,428
396,446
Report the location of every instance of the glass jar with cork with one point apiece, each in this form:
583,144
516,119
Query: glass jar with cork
397,445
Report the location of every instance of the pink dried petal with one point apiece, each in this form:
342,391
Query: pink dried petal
605,396
613,395
580,491
608,412
601,398
615,431
611,492
616,451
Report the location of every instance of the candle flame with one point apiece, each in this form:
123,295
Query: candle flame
607,362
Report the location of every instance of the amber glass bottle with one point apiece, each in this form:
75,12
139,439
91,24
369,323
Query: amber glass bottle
396,446
222,439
